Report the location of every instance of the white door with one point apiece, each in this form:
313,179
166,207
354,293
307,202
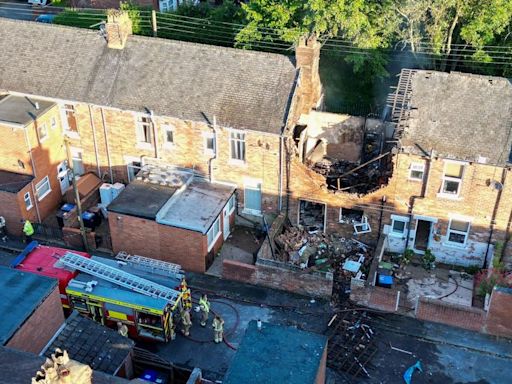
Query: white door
62,175
225,220
252,198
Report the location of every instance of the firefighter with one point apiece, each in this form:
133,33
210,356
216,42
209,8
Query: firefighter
218,328
186,322
28,231
187,298
3,231
204,307
122,329
172,327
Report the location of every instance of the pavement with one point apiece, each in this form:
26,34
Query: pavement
447,354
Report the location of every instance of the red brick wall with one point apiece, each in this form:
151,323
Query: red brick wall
277,278
499,316
452,314
148,238
383,298
40,327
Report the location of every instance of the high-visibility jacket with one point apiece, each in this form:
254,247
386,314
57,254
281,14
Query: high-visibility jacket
204,304
28,229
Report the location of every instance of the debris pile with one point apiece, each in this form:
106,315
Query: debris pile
351,343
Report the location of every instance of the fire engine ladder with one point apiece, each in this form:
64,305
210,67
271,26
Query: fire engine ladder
151,265
121,278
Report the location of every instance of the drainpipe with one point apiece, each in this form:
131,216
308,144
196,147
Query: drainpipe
95,142
382,202
280,181
424,187
155,132
107,145
35,175
494,213
210,160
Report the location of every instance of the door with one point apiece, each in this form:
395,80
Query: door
225,222
252,195
62,175
423,230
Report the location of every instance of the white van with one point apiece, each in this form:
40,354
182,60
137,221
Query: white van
38,2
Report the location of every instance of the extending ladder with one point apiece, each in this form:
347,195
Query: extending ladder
121,278
151,265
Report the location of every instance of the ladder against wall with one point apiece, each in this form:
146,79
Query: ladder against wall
151,265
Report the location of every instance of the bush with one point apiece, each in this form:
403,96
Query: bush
428,260
486,280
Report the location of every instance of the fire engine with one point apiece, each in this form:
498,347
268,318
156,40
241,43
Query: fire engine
146,295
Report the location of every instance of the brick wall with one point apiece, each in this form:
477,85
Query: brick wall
40,327
10,210
452,314
384,298
498,320
148,238
311,284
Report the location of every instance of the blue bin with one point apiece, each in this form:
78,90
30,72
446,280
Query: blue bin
385,281
67,207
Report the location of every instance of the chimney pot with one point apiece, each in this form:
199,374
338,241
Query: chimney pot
118,28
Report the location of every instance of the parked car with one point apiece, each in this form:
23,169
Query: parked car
45,18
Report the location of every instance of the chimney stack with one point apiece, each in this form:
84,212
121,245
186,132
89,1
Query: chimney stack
307,55
117,28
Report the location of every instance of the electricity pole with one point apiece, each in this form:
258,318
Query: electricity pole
77,195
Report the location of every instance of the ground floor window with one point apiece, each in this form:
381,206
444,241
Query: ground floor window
43,188
399,225
350,216
231,204
213,233
133,168
78,163
312,216
458,232
28,200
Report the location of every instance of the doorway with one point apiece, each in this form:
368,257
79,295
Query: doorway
62,175
312,216
423,231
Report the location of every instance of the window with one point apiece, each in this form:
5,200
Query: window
452,178
231,204
42,131
458,231
399,225
237,144
144,130
350,216
78,164
209,142
43,188
362,227
213,233
28,200
252,198
133,167
416,171
70,121
168,135
53,123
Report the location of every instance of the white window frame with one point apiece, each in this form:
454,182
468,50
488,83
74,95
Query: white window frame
215,236
403,219
231,204
450,231
362,227
253,185
417,167
445,178
45,180
63,116
210,136
77,154
139,130
232,142
45,127
129,165
28,198
169,128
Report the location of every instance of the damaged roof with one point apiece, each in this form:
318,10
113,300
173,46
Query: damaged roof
242,89
460,116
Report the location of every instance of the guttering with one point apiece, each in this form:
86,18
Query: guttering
94,141
107,145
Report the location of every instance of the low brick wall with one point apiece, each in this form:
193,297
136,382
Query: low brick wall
447,313
273,276
499,317
384,298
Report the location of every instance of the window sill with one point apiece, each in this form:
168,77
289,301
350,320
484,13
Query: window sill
72,134
397,235
449,197
415,180
169,146
454,245
29,208
238,163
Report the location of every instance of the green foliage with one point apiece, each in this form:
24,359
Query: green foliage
229,11
472,269
428,260
407,256
486,280
134,13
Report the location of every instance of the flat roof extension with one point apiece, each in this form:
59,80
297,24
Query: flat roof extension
21,110
13,182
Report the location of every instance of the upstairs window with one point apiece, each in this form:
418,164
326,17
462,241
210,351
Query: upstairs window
209,143
452,178
144,134
168,135
237,144
458,232
70,122
42,132
416,171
